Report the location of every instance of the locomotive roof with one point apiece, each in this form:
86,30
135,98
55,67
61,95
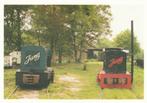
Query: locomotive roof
109,49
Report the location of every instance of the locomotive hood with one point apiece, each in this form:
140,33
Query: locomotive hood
33,59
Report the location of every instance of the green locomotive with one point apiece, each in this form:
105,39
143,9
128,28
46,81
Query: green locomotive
35,68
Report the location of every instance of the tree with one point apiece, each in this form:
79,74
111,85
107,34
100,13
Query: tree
104,42
140,55
50,20
13,24
88,23
123,39
67,30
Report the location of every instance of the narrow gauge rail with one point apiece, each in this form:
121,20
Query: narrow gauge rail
16,89
12,93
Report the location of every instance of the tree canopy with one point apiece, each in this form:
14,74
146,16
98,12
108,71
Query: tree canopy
123,39
13,26
67,30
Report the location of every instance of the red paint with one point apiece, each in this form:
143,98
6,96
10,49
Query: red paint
115,61
101,77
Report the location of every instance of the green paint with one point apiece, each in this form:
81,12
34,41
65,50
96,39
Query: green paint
33,59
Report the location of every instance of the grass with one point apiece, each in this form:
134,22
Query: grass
9,82
87,87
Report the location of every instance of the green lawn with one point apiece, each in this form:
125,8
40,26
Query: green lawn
84,85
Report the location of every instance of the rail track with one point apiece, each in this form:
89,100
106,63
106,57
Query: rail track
26,92
13,92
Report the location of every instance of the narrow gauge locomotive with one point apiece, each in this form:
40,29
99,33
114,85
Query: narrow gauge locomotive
114,72
35,69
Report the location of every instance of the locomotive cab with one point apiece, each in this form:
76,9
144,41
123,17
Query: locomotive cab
115,60
35,69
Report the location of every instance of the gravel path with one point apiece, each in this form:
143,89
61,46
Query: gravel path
29,94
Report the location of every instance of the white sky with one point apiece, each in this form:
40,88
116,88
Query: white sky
122,16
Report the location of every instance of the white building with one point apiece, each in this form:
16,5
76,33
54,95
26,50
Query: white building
15,56
7,61
12,59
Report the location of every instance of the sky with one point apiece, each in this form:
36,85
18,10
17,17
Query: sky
122,16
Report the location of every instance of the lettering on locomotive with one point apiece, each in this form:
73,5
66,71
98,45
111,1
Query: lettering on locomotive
31,58
115,61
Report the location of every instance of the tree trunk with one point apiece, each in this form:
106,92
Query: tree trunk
80,54
38,39
75,49
19,39
52,49
60,55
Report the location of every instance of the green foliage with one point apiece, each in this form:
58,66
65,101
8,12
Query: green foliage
104,43
66,30
123,39
13,23
140,55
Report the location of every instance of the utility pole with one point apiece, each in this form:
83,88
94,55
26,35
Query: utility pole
132,51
